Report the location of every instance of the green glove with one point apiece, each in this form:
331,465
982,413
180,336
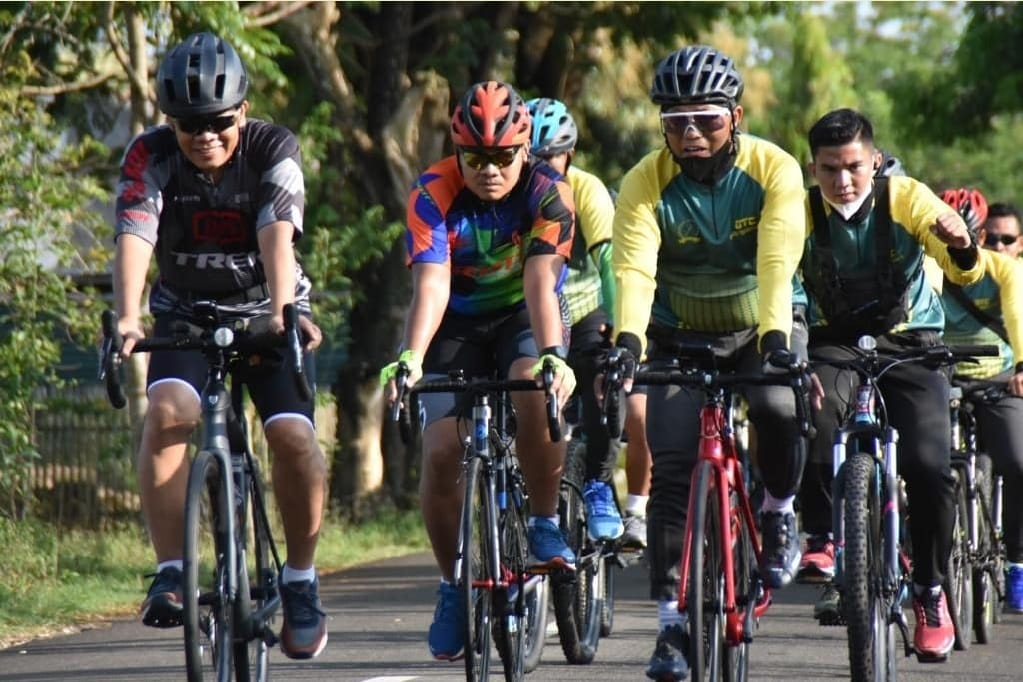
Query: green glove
412,359
561,369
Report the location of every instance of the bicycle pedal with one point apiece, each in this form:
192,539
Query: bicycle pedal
830,620
268,637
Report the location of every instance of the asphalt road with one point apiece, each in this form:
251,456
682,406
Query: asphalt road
379,615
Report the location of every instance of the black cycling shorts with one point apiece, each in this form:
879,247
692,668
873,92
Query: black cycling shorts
479,345
270,383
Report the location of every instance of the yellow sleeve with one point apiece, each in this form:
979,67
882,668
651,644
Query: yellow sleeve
1008,274
635,242
781,235
594,209
917,208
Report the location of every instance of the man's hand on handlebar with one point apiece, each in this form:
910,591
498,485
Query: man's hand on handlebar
563,383
412,364
308,330
130,329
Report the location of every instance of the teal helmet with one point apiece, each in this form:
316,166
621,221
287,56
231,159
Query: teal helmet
554,129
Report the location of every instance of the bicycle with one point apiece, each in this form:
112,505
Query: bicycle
720,585
872,572
503,599
981,500
230,598
583,599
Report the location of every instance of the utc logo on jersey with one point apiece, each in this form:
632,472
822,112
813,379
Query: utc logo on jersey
686,232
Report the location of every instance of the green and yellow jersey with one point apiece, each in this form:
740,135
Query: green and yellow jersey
590,282
718,258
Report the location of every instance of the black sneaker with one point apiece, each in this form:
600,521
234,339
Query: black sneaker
304,633
781,551
162,607
669,663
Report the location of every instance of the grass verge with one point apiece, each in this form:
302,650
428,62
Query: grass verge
54,584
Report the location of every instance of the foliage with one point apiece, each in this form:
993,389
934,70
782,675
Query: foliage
47,201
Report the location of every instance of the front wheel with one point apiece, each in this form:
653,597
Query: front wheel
871,635
474,576
958,576
988,568
708,643
209,628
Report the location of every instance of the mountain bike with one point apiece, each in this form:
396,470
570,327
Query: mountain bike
981,499
505,602
872,572
720,585
231,563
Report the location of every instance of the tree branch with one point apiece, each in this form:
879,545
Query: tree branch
62,88
141,85
263,14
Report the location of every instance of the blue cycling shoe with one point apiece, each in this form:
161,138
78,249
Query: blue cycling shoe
603,522
547,546
447,632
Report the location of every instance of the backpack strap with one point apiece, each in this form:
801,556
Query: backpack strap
830,298
890,286
986,319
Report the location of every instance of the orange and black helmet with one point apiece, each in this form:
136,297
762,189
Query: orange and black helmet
969,203
490,114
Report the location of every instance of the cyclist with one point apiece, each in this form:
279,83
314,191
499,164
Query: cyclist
865,276
589,295
989,312
708,232
218,197
489,231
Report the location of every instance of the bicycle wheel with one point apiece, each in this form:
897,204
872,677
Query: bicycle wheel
871,636
958,576
510,621
209,630
988,567
258,581
537,595
607,610
574,592
474,575
706,588
749,592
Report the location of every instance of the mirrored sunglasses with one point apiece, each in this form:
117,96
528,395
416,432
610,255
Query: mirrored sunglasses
200,124
992,240
677,122
478,159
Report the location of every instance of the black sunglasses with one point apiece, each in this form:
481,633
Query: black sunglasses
1007,239
478,159
200,124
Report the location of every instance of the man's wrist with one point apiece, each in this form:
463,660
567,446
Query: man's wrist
630,342
559,352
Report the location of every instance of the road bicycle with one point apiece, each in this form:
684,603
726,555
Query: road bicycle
583,599
231,563
980,498
872,570
720,583
505,602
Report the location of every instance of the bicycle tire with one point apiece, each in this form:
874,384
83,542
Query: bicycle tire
870,635
958,576
252,655
573,591
475,572
748,590
208,625
985,593
607,610
537,608
510,620
705,590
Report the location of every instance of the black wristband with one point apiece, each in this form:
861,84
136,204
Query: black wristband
631,343
773,340
965,259
557,351
1019,367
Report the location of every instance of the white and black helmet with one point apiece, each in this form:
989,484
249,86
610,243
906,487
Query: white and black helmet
697,74
202,75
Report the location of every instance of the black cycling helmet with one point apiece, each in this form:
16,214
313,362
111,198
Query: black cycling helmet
890,165
201,75
697,74
554,129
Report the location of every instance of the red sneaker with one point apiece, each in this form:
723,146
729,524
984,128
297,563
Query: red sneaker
818,563
934,634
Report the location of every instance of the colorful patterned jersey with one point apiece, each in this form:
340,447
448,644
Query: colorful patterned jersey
487,243
204,234
999,293
590,280
715,258
914,208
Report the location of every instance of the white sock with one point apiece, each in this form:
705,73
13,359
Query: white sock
552,519
295,575
636,504
173,563
668,614
774,504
